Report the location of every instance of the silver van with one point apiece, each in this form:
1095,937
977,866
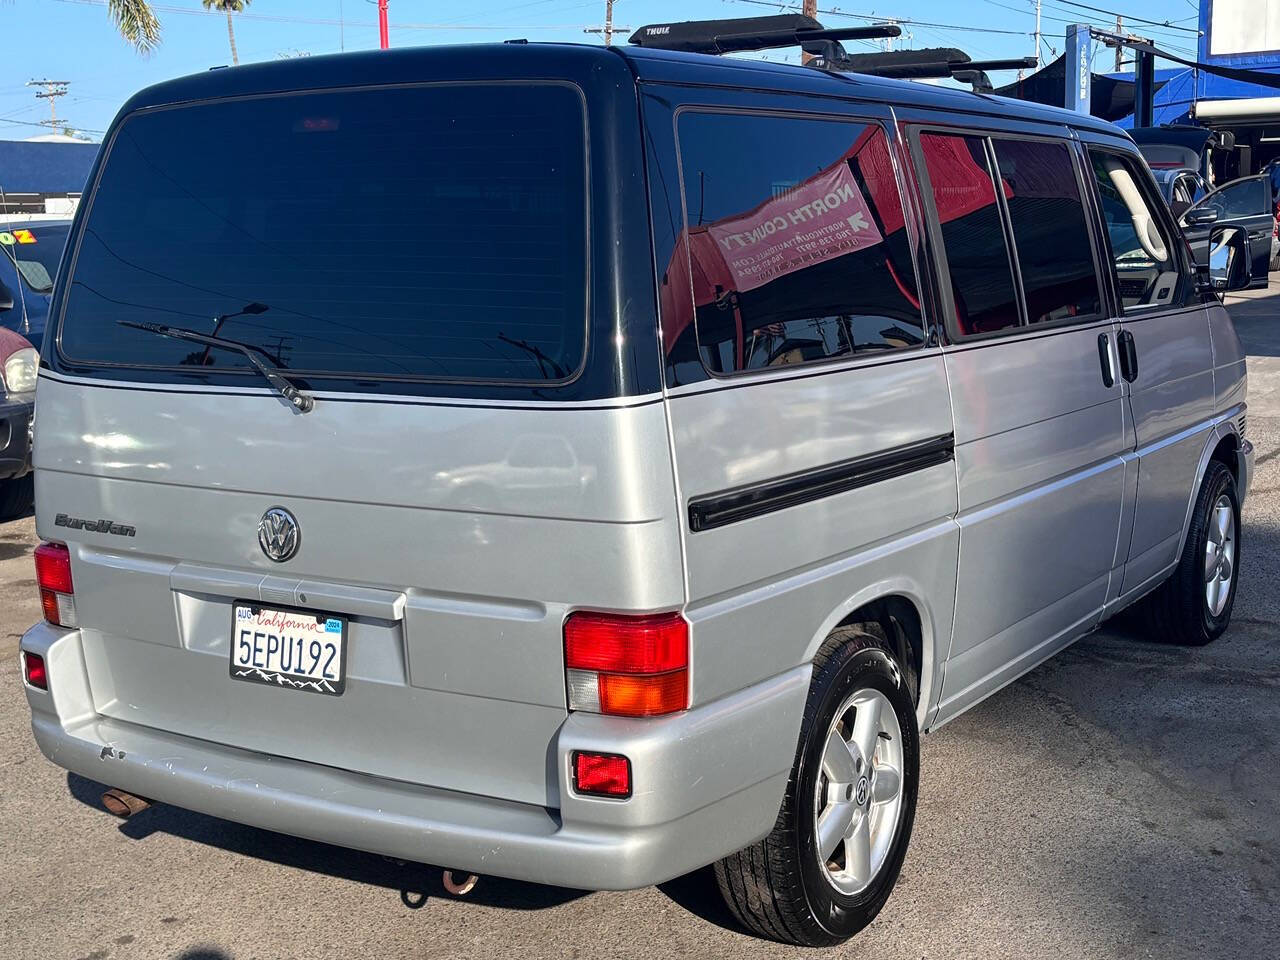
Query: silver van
584,465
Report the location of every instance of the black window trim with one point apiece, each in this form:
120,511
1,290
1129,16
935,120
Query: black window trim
910,215
988,135
1157,207
349,380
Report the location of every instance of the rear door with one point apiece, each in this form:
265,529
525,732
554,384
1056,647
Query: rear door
1244,203
415,257
1038,406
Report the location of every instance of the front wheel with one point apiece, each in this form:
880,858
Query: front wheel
842,832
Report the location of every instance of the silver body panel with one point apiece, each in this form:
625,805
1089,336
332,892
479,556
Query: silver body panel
457,534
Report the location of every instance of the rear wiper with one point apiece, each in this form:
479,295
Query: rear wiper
300,401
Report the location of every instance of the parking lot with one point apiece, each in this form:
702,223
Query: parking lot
1122,800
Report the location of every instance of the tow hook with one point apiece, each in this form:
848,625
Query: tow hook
459,883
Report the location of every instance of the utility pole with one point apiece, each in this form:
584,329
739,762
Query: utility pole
608,30
809,9
384,34
1119,49
52,90
1037,37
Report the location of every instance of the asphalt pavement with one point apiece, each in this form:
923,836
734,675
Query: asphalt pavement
1120,801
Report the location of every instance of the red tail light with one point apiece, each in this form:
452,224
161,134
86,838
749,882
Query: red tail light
604,774
53,575
627,666
33,670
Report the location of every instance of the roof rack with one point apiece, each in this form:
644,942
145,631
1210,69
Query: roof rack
752,33
930,63
824,47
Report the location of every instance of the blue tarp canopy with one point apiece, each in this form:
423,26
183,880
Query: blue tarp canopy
46,168
1182,87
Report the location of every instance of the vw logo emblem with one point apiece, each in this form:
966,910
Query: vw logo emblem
278,534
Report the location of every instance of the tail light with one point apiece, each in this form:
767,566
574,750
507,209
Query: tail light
627,666
53,575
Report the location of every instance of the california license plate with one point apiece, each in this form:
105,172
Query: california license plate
296,649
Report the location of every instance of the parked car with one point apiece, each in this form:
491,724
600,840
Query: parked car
18,364
29,255
1245,203
851,420
1181,187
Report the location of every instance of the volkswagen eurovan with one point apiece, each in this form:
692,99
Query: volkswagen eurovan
584,465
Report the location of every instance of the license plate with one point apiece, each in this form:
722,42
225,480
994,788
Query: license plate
296,649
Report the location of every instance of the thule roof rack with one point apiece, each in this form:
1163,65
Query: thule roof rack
824,47
752,33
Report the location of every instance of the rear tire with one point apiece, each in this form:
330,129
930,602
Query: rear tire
1188,609
783,887
17,496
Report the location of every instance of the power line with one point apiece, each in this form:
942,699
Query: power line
880,19
1113,13
45,125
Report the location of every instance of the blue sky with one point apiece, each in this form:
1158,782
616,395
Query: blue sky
73,40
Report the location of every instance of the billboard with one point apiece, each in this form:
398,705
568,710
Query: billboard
1243,27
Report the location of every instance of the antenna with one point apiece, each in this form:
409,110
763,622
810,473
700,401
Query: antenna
52,90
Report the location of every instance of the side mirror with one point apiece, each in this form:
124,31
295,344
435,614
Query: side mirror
1230,262
6,297
1200,216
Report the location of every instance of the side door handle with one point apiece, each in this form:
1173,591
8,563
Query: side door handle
1128,356
1108,364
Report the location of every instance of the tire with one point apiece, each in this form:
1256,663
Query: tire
1180,611
17,496
781,888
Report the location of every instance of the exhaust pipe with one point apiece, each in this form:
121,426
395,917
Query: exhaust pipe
459,883
123,805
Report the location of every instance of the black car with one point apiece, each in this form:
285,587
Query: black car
1245,203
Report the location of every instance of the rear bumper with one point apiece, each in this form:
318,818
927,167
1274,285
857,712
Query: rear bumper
706,783
15,438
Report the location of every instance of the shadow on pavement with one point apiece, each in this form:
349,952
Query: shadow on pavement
415,882
697,892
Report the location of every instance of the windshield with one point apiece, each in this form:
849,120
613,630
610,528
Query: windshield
35,252
430,232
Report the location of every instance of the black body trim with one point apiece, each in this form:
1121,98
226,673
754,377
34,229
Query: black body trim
741,503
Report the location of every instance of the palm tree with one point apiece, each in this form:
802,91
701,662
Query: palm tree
136,22
228,7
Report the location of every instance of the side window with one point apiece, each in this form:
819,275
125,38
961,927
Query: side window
795,245
1146,268
1247,198
1050,232
968,214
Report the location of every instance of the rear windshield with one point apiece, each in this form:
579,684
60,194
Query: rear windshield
34,252
429,232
